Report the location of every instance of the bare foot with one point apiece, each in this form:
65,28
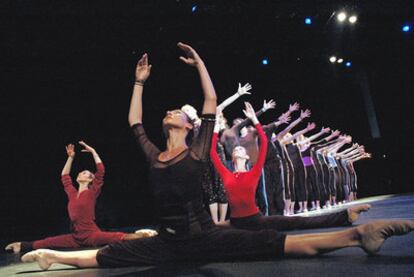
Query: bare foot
354,211
43,257
373,235
16,247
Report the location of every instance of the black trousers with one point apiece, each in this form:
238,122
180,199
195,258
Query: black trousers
327,179
287,223
213,245
274,187
313,187
338,184
300,181
320,181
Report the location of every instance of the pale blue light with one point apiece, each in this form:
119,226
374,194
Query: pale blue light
406,28
308,21
348,64
265,61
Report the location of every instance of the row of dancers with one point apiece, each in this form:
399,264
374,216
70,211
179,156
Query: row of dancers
298,169
186,231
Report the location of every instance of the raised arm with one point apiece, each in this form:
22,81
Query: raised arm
202,143
364,156
70,150
193,59
241,91
66,179
246,122
334,148
308,128
142,72
359,150
329,138
97,182
215,159
89,149
315,136
270,128
348,150
303,115
258,166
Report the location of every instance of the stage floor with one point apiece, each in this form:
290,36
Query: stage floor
396,257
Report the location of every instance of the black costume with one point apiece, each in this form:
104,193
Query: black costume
186,231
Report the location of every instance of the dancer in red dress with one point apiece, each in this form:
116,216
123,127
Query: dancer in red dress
81,209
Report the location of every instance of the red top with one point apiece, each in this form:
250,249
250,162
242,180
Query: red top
241,186
81,206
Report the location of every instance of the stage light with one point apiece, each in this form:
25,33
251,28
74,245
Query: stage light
352,19
341,16
348,64
406,28
332,59
265,61
340,60
308,20
194,8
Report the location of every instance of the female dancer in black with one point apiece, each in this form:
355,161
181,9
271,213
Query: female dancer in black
186,231
287,165
299,169
314,192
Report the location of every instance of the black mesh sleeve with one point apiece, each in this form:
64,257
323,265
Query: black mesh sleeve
202,143
150,150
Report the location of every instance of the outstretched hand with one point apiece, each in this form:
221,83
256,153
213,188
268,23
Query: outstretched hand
143,70
294,107
346,138
325,130
70,150
87,147
269,105
311,126
249,112
336,133
192,58
244,89
304,114
284,118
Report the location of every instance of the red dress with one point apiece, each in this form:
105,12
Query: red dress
81,209
241,186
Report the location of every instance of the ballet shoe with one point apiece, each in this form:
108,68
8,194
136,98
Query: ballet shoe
41,256
16,247
355,211
373,235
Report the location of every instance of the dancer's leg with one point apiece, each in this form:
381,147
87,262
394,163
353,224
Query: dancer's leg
286,210
223,211
369,237
283,223
214,212
45,258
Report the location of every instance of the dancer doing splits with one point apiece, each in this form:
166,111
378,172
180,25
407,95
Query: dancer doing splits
241,186
81,209
187,233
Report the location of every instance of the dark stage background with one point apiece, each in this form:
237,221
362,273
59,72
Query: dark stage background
67,70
